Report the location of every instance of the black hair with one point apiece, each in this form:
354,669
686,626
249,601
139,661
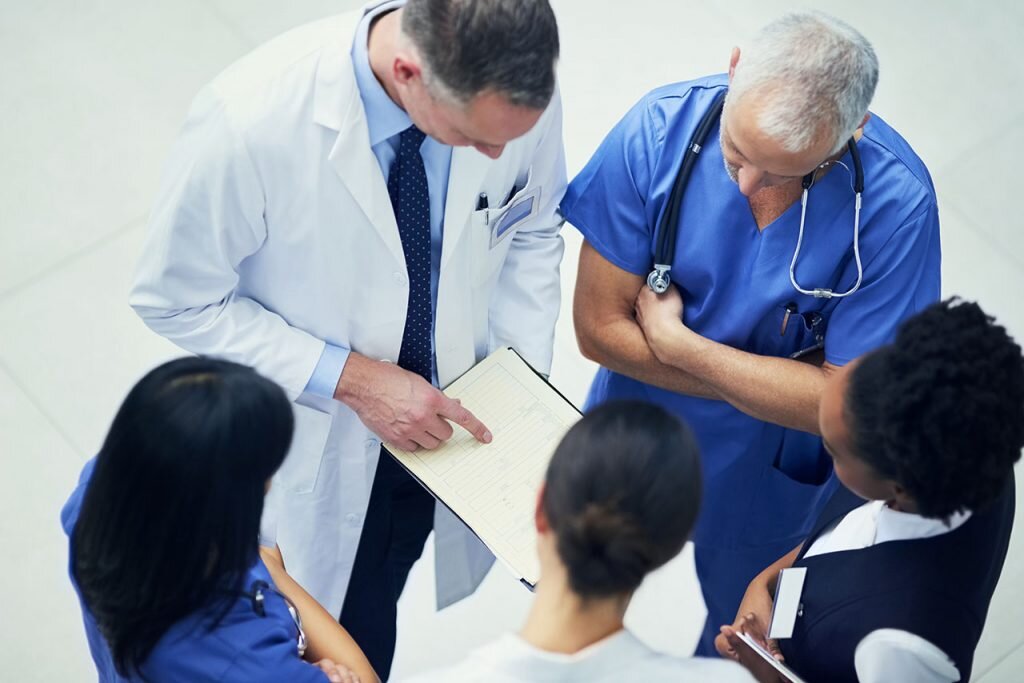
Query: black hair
940,411
621,495
169,523
471,46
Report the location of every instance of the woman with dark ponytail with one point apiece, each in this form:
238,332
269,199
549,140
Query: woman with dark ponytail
164,530
620,499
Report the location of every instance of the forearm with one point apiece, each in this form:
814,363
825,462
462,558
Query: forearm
619,345
325,637
239,329
782,391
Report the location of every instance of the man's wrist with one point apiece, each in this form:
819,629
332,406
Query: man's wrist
351,382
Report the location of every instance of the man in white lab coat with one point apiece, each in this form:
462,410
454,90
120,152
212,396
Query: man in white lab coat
362,221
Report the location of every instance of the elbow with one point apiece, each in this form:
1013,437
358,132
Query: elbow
587,343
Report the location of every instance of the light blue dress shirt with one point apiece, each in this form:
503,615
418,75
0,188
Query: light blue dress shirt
386,120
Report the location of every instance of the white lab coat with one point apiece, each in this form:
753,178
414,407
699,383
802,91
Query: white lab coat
273,233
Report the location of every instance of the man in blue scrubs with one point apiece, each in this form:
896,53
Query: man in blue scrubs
717,347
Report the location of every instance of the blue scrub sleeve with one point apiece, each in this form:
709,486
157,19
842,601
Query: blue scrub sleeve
607,201
273,658
901,280
327,372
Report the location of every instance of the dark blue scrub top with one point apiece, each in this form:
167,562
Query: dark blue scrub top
243,647
762,481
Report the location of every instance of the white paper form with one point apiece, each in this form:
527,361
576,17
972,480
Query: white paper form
493,487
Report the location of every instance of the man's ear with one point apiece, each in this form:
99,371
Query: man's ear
734,59
406,69
867,117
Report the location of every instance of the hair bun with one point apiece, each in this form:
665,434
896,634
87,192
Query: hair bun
604,552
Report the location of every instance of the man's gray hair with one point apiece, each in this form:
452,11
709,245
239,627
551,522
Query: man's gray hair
814,77
472,46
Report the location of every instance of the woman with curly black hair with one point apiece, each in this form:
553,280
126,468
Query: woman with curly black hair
927,430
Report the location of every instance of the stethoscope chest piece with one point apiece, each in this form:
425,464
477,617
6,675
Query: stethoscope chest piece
659,279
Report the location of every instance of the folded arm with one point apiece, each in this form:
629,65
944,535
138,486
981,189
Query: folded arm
326,638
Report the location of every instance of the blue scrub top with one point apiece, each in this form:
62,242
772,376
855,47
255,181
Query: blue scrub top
243,647
762,481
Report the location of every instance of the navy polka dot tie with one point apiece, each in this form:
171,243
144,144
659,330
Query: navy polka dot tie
410,199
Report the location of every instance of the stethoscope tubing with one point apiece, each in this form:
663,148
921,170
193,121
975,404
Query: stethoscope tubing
660,277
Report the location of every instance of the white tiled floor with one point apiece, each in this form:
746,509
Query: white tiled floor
93,93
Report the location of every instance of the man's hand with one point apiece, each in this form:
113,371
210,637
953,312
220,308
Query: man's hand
336,673
660,316
401,407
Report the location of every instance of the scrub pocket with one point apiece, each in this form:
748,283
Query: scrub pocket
301,467
782,507
786,331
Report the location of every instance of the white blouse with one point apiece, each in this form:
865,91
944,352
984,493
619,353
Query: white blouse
619,657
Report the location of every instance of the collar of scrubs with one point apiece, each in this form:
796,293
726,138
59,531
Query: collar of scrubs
384,118
513,654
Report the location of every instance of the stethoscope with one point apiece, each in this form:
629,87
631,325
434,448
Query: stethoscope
659,278
257,593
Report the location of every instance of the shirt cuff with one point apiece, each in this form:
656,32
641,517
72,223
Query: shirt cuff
328,370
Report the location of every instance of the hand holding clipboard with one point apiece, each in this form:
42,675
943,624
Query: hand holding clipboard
757,653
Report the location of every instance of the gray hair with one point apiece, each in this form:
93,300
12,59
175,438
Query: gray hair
472,46
815,76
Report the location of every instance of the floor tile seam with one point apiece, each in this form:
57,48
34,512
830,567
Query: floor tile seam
998,133
980,675
993,241
6,369
71,258
237,31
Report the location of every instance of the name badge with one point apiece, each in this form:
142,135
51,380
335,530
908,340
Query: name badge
787,607
520,209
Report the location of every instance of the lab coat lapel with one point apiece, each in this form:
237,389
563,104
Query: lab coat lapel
464,181
338,106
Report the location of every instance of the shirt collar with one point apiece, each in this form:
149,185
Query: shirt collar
384,118
894,525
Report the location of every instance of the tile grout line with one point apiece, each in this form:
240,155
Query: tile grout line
989,239
963,156
72,257
989,669
247,41
6,369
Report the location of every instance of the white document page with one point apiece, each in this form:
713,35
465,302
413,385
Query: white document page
493,487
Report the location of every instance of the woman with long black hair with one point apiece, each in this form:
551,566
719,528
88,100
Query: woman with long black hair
164,531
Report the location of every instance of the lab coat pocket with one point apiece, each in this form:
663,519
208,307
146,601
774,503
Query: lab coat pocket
522,204
485,260
299,472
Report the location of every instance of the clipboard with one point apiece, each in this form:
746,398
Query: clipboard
767,656
492,488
